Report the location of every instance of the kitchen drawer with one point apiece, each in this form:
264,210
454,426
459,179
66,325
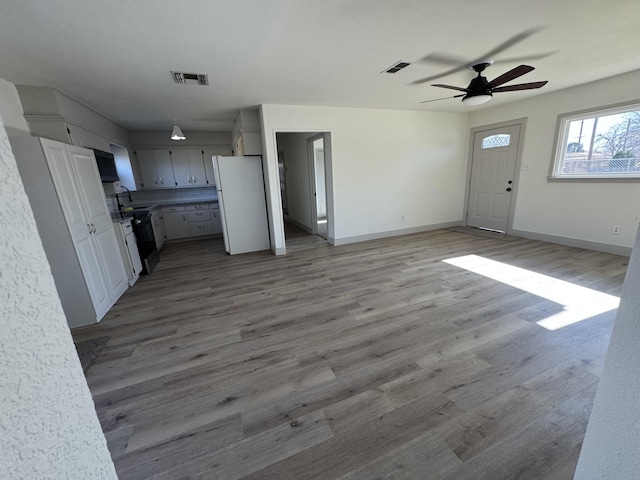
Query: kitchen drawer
198,206
201,228
173,208
199,216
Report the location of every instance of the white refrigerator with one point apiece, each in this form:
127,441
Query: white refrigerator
243,208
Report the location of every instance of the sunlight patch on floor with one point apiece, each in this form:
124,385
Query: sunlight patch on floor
579,303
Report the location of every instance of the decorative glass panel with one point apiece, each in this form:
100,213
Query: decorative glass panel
494,141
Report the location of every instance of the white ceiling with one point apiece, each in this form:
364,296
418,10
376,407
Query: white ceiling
116,55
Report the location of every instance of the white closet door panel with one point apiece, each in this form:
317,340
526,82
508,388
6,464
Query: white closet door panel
90,186
113,265
93,277
69,197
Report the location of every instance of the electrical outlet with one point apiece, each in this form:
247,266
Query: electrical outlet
526,166
615,229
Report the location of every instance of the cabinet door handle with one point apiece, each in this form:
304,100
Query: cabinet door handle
161,181
195,179
89,227
155,180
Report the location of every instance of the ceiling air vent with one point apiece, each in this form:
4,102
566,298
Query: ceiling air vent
190,78
396,67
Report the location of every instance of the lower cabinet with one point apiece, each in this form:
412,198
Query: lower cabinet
216,221
175,222
193,220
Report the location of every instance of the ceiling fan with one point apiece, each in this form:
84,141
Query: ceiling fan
480,90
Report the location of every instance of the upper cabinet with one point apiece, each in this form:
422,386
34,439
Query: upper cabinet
188,168
246,134
177,167
156,168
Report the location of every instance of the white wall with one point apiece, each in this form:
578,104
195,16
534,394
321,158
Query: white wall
385,165
11,110
583,211
611,444
48,423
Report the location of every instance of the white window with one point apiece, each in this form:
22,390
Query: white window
494,141
599,144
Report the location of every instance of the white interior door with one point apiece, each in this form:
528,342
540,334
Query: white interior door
493,165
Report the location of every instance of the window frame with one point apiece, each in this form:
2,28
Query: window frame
561,142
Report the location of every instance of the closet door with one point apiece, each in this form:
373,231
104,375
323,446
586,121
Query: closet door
93,200
80,228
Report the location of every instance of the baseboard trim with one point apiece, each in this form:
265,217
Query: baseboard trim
392,233
573,242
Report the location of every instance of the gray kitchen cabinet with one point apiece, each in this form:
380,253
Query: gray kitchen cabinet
156,168
191,220
75,226
216,221
176,167
176,223
199,217
207,154
188,168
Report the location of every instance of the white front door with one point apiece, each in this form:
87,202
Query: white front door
493,165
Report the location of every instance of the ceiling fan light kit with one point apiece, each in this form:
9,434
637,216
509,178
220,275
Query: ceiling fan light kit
476,99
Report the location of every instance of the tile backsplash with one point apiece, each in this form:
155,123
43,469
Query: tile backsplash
199,194
169,195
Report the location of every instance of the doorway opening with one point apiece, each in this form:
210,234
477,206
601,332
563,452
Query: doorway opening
305,188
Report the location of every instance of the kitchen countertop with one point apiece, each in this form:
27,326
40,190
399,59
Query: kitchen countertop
127,214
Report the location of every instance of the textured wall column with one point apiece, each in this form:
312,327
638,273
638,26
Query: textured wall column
48,423
612,442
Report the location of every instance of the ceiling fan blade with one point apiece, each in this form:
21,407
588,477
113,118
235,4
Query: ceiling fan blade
510,75
525,58
443,98
444,59
439,75
511,41
460,89
520,86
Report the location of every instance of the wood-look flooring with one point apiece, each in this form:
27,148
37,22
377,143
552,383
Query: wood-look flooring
374,360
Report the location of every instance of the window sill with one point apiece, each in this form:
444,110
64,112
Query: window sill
577,179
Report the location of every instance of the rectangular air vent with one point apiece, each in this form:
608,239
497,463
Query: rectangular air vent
396,67
190,78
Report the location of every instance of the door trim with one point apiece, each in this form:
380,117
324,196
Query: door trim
522,122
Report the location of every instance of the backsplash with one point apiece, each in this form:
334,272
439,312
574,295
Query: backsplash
151,197
179,195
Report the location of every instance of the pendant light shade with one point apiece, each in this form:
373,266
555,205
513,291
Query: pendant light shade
177,134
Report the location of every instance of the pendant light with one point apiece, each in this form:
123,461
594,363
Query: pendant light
177,134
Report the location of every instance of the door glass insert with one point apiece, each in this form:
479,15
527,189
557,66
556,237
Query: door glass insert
494,141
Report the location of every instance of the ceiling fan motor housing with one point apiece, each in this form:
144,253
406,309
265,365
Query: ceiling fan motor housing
479,86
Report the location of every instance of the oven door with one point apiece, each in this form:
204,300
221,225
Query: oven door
143,230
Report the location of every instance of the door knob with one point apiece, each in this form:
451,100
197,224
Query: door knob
509,189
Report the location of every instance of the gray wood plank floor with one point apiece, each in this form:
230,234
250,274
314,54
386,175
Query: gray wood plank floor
366,361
